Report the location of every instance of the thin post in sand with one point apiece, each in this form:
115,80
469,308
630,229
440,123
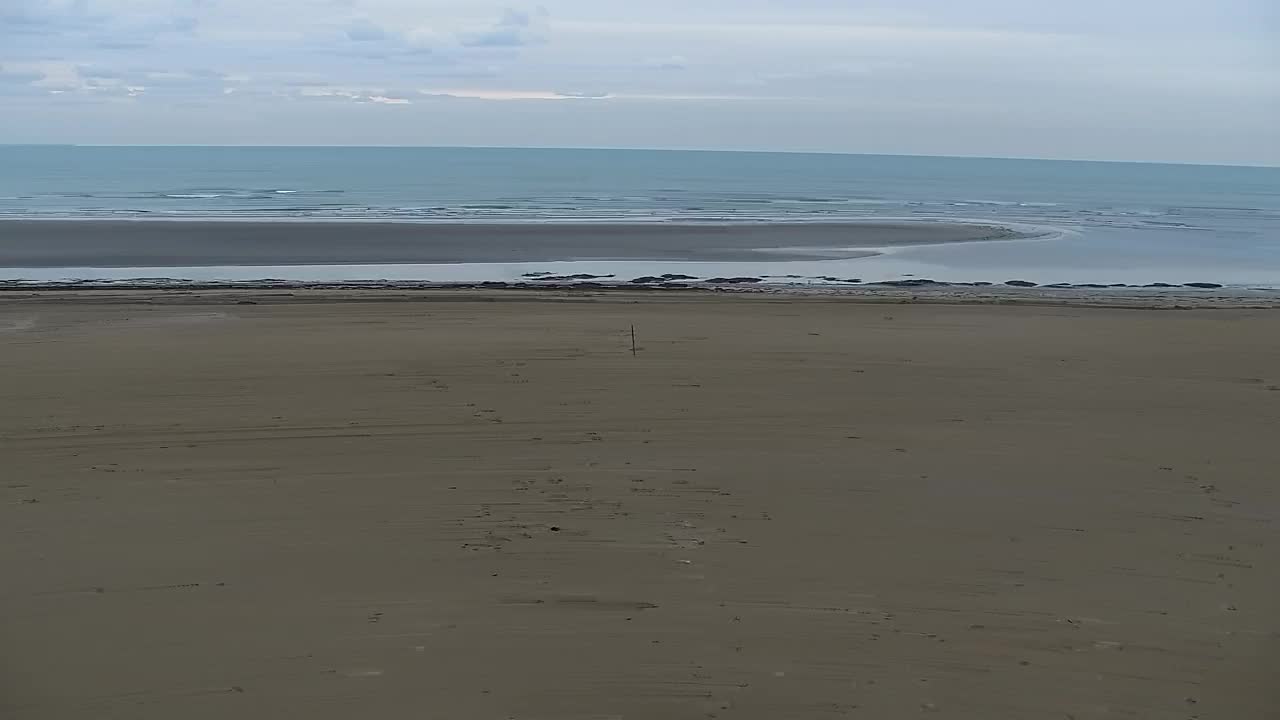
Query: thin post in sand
633,341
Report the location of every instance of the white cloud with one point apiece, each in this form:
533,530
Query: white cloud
507,94
54,75
515,28
378,96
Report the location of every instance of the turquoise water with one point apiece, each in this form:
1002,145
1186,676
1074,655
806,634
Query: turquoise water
1222,223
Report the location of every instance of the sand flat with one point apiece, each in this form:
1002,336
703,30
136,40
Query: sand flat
194,243
484,506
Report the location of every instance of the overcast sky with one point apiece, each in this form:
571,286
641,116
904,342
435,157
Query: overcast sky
1163,80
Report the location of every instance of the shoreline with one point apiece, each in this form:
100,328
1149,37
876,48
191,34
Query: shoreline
51,244
338,293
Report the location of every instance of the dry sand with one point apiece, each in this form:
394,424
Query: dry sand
483,506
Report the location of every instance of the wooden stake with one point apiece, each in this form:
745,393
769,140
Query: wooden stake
633,340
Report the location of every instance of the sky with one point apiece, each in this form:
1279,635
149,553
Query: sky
1148,80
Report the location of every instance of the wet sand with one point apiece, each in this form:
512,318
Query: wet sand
103,243
479,505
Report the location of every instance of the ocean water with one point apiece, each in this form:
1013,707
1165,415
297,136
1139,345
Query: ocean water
1118,222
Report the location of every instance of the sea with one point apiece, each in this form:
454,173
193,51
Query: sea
1099,222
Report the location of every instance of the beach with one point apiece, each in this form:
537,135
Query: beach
262,503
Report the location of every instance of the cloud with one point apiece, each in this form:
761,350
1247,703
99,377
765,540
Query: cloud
67,78
937,71
19,75
489,94
514,29
45,17
20,81
52,76
185,24
385,37
122,44
188,84
671,62
566,95
369,40
364,31
357,95
424,39
512,94
579,95
44,27
100,73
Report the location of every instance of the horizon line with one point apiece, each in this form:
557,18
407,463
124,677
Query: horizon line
1016,158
